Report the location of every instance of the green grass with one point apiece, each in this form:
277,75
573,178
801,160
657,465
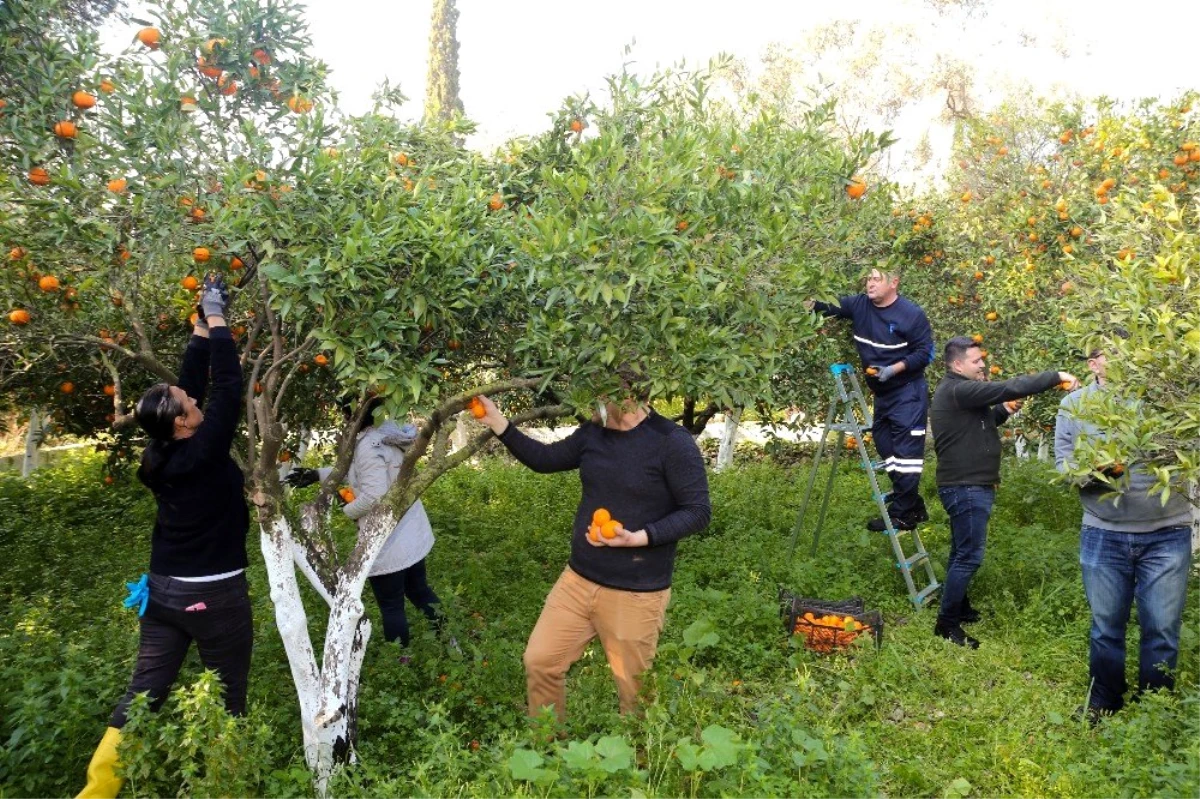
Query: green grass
737,708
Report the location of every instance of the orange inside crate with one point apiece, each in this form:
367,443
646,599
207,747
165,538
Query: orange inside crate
829,632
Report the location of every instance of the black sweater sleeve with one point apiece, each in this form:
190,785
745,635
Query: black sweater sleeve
981,393
557,456
842,310
1000,414
193,374
683,467
214,437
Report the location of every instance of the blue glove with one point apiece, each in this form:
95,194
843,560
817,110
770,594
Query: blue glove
887,373
139,594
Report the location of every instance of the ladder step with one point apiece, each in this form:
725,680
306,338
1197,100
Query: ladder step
915,560
923,596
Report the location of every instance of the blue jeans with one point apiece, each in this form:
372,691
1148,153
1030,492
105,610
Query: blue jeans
969,508
1117,568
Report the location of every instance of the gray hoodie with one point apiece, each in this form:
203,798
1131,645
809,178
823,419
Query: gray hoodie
378,453
1134,510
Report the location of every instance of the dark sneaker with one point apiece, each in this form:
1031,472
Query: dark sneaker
970,616
955,634
878,525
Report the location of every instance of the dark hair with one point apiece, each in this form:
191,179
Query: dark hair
156,412
957,347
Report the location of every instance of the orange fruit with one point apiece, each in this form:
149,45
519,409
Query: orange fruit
979,275
872,371
851,442
454,344
402,159
1076,232
67,387
117,185
856,188
258,388
995,370
681,225
977,338
83,100
197,213
992,316
110,390
48,283
496,202
19,316
594,532
236,263
1118,469
966,197
150,37
1180,159
107,86
609,528
207,69
576,125
261,56
477,409
227,85
299,104
321,359
1067,287
600,516
16,253
190,283
201,254
989,259
1125,254
65,129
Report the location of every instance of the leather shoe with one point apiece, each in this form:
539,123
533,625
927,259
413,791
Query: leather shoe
955,634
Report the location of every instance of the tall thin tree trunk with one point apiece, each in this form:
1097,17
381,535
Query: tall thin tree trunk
728,439
33,441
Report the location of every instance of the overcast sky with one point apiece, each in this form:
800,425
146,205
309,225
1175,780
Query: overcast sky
520,58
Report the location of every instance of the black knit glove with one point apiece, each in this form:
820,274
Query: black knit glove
301,477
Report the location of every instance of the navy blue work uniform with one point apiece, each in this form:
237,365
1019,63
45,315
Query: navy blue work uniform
883,336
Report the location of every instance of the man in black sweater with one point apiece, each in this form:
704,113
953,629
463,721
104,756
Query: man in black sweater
644,475
963,416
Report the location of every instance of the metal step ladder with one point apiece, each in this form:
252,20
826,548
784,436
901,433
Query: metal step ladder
849,414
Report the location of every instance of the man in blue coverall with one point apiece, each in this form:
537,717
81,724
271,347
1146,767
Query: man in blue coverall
895,342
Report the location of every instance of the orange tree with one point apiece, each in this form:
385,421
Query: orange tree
373,258
1005,251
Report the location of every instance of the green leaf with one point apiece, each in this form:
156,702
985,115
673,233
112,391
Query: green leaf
525,764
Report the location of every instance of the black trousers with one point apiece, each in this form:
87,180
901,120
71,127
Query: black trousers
216,615
391,590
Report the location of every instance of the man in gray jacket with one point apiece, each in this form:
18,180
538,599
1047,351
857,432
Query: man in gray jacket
1131,545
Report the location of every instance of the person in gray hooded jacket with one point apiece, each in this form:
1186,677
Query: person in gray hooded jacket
1132,545
399,570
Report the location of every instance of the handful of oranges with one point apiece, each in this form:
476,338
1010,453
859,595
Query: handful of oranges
475,406
347,494
830,631
603,525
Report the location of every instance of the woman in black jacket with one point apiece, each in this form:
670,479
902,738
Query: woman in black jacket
197,584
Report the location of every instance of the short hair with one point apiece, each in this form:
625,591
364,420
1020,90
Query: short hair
157,410
889,271
1095,352
957,347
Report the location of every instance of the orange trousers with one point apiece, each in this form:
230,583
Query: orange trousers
576,611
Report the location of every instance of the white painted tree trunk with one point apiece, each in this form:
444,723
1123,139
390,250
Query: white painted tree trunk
33,440
1021,446
1043,450
728,439
327,694
460,437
